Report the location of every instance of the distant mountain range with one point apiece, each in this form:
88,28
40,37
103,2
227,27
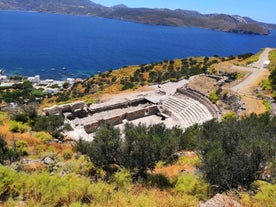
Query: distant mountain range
178,17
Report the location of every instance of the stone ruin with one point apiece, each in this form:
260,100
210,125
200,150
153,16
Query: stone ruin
65,108
94,115
187,106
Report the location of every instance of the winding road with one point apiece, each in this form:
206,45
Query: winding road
257,72
246,88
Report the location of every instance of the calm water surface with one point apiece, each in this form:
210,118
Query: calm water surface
61,46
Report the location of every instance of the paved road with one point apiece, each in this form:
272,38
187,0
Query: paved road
256,70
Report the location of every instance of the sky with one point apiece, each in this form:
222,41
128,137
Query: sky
264,11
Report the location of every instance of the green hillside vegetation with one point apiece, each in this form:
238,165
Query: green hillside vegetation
133,77
140,165
21,93
233,154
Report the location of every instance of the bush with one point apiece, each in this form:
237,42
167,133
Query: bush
191,185
234,152
229,116
122,179
52,124
43,136
19,127
4,151
67,154
266,195
21,147
213,97
267,105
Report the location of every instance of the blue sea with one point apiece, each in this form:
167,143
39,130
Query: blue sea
60,46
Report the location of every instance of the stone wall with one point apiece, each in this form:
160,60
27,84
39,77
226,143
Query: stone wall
52,110
135,114
118,119
115,120
97,108
80,113
64,108
77,105
152,110
91,127
80,110
94,110
136,102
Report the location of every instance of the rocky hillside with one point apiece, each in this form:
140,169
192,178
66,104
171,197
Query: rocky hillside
177,17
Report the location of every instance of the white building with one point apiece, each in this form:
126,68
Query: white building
51,90
71,81
266,63
3,78
31,79
49,81
35,79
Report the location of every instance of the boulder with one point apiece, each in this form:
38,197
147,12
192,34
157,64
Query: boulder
220,200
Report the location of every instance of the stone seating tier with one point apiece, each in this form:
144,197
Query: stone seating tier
188,111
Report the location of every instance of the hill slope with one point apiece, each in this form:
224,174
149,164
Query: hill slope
177,17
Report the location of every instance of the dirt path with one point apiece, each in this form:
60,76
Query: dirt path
246,87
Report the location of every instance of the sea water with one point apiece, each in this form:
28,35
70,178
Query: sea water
60,46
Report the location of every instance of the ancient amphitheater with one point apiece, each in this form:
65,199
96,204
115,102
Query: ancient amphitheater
172,104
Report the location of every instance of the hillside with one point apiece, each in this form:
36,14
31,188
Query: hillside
148,166
178,17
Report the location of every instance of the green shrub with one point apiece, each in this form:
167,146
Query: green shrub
122,179
67,154
19,127
267,105
192,185
213,97
43,136
10,182
229,116
21,147
183,160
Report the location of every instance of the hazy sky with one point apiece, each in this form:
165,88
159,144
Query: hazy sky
259,10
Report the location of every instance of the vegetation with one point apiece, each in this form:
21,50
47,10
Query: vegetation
272,58
132,77
6,153
140,165
140,149
267,105
52,124
213,97
21,93
123,170
235,152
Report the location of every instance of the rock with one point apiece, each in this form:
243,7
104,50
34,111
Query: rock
220,200
48,160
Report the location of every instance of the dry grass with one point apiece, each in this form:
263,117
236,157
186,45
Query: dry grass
186,163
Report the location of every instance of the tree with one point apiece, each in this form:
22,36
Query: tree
272,79
52,124
4,151
105,147
235,152
137,153
144,146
